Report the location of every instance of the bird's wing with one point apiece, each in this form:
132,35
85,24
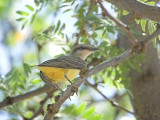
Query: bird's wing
68,62
46,80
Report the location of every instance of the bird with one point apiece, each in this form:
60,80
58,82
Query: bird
65,68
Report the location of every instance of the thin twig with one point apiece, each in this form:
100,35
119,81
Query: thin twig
149,38
40,110
110,101
12,100
122,25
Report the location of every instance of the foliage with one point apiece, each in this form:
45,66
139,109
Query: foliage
91,27
82,112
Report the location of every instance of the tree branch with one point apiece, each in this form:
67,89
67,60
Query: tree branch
12,100
123,26
110,101
148,39
40,110
138,9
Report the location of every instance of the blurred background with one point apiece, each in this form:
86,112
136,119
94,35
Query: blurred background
33,31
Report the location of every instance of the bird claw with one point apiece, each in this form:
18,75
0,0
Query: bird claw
57,97
83,72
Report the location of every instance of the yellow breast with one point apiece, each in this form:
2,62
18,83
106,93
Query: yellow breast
57,74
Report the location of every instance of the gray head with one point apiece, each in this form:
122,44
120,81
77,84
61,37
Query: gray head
82,51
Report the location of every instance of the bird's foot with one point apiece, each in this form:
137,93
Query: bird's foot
83,72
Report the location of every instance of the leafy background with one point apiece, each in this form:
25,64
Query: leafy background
37,30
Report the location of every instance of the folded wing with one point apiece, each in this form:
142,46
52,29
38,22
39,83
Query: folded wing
67,62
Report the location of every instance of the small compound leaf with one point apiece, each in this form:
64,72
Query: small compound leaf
137,21
24,24
63,26
36,81
20,19
125,12
96,117
88,113
73,2
155,42
67,10
33,17
63,6
76,7
143,24
57,27
80,109
150,27
159,37
27,68
151,3
30,7
22,13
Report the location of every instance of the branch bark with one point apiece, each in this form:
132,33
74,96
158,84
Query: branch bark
12,100
122,25
138,9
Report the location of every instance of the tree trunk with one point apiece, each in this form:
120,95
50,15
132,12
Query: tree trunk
145,85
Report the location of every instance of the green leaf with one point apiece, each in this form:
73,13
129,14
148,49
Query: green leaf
63,26
69,110
159,37
30,7
143,0
24,24
96,117
137,21
33,17
150,27
155,42
99,28
36,81
22,77
151,3
73,2
76,7
63,6
125,12
57,27
27,68
20,19
80,109
104,32
49,30
143,24
22,13
28,114
131,64
67,10
88,112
